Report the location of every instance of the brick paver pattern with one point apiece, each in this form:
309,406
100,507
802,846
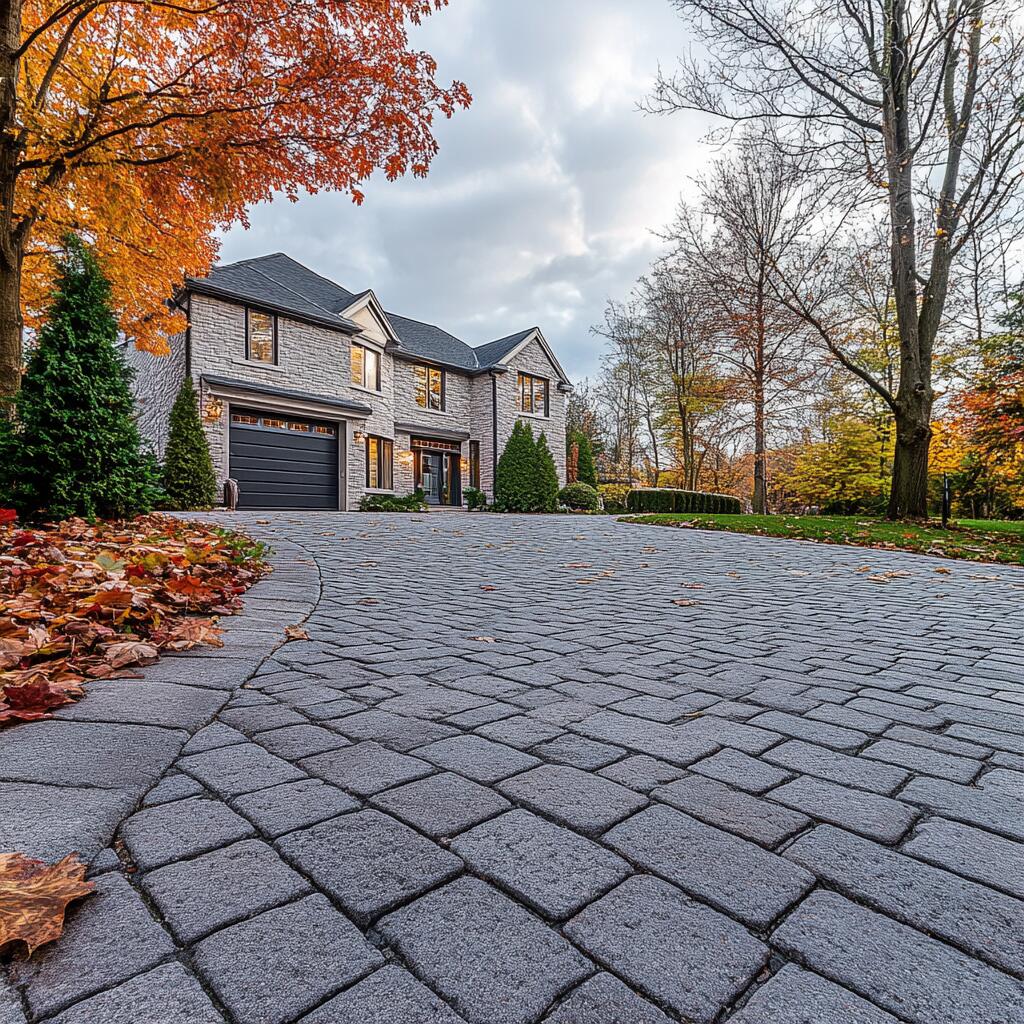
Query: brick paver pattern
577,771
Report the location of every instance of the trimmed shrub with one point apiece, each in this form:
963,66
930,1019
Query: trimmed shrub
547,477
475,498
526,478
189,477
579,496
586,472
666,499
392,503
614,497
74,448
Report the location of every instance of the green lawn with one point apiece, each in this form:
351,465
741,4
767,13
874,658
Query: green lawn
974,539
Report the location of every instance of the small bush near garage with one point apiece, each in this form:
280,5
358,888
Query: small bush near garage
579,496
392,503
189,477
526,479
613,496
665,499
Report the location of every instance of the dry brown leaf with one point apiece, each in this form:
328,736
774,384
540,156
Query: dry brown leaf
488,587
34,896
130,652
942,569
578,565
368,600
684,602
295,633
692,586
485,639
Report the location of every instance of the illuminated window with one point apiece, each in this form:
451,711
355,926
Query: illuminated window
430,388
365,367
302,428
275,424
238,417
380,456
532,394
260,337
326,431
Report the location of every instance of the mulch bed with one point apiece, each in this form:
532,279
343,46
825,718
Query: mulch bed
81,601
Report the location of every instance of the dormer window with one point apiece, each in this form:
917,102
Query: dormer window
260,337
430,388
365,367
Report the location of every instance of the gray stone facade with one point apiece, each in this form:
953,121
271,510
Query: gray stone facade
312,378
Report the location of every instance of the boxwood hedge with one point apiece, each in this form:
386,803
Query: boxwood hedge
668,499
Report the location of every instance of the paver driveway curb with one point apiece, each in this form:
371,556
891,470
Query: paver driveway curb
509,780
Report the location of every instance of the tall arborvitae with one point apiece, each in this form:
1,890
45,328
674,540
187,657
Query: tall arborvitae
546,477
586,472
514,484
189,477
73,448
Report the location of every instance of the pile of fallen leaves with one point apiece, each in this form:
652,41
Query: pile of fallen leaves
81,601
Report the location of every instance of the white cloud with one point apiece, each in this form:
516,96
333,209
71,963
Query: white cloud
541,202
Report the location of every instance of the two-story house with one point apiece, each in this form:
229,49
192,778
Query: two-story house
312,396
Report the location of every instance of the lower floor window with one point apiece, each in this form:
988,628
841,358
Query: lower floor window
380,457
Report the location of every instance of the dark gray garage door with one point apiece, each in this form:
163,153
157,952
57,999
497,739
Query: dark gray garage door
283,461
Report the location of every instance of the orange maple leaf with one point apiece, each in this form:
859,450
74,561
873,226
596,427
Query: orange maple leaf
34,897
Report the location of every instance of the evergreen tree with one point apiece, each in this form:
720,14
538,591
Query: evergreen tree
74,448
586,472
514,485
189,477
546,477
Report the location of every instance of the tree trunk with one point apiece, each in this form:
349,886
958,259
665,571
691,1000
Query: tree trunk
909,496
11,242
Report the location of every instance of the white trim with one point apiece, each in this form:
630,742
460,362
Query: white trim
370,301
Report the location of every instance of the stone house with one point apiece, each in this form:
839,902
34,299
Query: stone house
312,396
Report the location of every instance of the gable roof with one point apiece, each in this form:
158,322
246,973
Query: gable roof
284,285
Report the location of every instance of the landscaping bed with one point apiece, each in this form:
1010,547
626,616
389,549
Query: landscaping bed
973,540
81,601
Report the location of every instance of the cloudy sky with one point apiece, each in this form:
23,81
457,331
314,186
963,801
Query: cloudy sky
541,202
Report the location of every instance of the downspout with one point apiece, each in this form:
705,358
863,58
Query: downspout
188,336
494,431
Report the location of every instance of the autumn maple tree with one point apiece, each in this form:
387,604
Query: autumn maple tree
145,127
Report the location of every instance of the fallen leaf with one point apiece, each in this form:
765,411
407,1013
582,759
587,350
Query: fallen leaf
295,633
578,565
692,586
130,652
942,569
485,639
34,896
684,602
368,600
488,587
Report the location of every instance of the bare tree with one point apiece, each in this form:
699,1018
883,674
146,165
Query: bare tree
752,219
906,103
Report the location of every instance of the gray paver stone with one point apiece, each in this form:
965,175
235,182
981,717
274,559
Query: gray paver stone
158,835
441,805
986,924
550,868
717,804
578,799
388,996
293,805
823,763
366,768
477,758
990,810
107,938
916,978
294,741
603,999
164,995
741,770
491,959
796,996
736,876
679,953
368,862
196,897
237,769
642,773
274,967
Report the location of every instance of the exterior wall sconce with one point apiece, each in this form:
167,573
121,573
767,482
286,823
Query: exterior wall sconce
358,437
406,456
213,409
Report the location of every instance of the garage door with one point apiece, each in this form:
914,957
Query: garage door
282,461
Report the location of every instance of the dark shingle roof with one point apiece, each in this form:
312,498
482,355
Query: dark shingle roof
279,282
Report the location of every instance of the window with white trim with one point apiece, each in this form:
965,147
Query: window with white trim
532,394
365,366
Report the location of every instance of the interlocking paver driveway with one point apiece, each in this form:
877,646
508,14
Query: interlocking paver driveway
509,779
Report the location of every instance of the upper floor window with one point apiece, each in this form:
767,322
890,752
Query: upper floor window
532,395
430,388
380,463
260,337
365,367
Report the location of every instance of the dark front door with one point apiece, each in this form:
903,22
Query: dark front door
432,480
283,462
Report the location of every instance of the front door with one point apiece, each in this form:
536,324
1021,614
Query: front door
432,477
